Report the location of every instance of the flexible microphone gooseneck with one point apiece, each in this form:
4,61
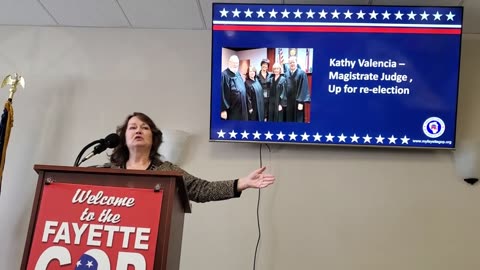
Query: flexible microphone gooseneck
111,141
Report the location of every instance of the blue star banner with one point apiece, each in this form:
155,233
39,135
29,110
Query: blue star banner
381,76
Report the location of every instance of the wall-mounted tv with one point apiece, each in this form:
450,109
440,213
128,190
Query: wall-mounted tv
382,76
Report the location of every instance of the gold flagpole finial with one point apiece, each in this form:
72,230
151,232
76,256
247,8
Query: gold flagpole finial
13,81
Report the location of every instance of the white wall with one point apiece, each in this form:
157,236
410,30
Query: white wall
332,208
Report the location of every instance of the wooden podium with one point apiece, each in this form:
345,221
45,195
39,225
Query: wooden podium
174,205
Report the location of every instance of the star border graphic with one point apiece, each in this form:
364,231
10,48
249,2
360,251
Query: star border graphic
313,137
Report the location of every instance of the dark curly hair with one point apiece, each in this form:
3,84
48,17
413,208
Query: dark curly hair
120,153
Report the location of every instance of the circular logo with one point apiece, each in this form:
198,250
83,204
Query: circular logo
433,127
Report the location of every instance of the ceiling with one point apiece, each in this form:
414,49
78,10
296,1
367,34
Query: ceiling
171,14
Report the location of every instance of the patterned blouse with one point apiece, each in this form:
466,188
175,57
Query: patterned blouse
199,190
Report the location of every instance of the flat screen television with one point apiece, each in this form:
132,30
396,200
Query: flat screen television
380,76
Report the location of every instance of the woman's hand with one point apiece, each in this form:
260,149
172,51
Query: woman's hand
256,179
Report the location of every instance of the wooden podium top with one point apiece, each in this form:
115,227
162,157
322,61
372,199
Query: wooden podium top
108,171
40,167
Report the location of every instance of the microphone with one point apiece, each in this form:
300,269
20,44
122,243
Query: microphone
111,141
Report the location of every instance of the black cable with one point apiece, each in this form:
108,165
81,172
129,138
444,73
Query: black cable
258,209
77,160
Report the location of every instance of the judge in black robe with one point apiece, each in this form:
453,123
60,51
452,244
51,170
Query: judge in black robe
277,100
264,79
254,96
297,93
234,96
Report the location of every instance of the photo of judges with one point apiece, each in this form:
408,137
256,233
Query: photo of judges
266,84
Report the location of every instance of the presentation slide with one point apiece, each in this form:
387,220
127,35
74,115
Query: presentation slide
382,76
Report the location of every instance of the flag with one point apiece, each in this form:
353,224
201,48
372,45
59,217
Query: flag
280,56
6,124
307,65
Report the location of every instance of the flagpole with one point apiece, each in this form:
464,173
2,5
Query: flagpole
13,81
6,122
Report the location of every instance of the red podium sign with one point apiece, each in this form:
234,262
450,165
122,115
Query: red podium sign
95,228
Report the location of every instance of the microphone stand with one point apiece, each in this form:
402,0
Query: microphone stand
77,161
